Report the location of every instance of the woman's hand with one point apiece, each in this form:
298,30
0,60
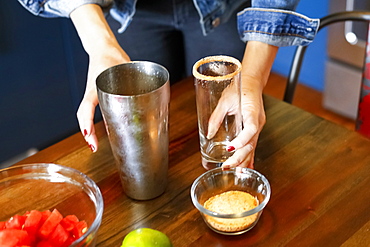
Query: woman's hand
257,63
104,51
106,57
253,121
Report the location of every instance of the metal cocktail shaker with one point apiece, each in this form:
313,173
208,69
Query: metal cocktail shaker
134,99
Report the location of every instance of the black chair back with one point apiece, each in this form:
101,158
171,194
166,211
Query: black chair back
363,116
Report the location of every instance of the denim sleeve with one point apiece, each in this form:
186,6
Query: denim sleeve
275,4
58,8
276,27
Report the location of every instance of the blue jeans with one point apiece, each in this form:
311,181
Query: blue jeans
168,32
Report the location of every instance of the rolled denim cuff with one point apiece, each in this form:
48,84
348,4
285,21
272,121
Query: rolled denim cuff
58,8
276,27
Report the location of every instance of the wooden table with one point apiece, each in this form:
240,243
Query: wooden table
319,174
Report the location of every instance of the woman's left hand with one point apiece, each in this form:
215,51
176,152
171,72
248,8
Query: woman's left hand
253,121
256,67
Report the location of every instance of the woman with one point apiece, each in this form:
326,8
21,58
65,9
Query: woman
176,33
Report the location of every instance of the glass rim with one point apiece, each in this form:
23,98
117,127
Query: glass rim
138,65
217,58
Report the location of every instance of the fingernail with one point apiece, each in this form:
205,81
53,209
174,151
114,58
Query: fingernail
85,132
225,167
230,148
92,147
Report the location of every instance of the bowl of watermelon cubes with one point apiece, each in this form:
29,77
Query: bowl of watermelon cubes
48,205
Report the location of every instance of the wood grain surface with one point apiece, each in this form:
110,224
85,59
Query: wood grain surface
318,171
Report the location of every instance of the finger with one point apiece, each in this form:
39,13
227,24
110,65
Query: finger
85,116
216,119
246,135
250,162
242,157
92,141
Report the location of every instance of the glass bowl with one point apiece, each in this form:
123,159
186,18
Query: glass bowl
233,183
47,187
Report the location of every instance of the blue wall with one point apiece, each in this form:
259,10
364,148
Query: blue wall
313,70
42,73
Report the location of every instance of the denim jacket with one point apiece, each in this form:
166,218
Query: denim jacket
269,21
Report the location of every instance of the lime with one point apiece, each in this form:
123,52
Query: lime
146,237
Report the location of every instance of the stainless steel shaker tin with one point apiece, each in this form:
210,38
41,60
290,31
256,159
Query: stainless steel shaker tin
134,99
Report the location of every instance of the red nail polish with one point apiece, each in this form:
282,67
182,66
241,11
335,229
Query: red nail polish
226,167
92,147
230,148
85,132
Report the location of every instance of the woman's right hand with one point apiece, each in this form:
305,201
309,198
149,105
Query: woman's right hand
256,67
106,57
104,51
